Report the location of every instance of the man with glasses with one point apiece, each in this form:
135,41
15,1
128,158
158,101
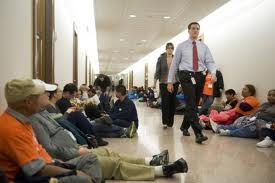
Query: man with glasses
167,99
192,58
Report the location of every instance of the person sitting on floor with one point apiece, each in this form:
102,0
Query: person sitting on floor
249,126
102,126
124,111
246,107
21,156
60,144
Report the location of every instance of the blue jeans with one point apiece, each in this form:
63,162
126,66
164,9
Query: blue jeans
107,131
247,131
207,101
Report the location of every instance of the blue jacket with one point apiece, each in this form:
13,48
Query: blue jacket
125,110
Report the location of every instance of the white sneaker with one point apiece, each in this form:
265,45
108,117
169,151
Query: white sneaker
224,132
214,126
202,124
267,142
164,126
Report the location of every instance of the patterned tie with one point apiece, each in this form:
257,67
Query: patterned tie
195,57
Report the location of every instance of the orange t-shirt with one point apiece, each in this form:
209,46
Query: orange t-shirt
252,101
18,145
208,85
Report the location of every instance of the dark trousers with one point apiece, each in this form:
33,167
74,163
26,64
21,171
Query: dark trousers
81,122
168,104
122,123
267,132
193,93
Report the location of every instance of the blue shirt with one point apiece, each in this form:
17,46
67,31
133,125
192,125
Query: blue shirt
183,59
125,110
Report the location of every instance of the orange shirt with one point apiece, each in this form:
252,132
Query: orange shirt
252,101
208,85
18,145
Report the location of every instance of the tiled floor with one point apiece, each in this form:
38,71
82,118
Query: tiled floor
219,160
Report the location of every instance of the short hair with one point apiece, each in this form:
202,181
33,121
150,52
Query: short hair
272,90
252,89
121,89
169,44
71,88
230,92
193,23
92,90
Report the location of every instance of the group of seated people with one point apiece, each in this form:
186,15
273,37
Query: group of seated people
244,117
47,136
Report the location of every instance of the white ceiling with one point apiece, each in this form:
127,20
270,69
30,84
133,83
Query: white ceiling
113,24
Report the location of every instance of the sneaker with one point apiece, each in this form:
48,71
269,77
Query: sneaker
203,125
131,130
179,166
160,159
164,126
224,132
267,142
214,126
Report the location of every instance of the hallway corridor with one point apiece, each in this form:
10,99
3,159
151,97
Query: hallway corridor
219,160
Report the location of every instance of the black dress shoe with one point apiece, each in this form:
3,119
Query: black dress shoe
200,138
101,142
179,166
185,132
160,159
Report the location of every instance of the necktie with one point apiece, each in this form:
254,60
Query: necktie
195,57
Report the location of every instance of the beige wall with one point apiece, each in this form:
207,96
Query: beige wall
16,42
241,38
244,48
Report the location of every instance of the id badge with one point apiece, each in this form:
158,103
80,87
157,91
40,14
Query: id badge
210,85
193,80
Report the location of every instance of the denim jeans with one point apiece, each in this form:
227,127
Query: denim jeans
247,131
207,101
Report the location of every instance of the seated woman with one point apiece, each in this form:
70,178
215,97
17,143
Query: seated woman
97,128
246,107
249,126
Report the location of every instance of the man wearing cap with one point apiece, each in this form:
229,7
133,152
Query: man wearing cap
19,149
192,58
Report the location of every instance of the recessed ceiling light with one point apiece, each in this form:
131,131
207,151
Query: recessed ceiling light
132,16
132,51
166,17
115,51
144,40
126,58
121,40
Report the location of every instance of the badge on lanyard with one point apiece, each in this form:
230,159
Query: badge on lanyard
193,80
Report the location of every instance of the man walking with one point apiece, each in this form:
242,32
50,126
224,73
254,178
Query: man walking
192,58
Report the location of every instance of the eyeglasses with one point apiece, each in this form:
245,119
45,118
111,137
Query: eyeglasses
169,47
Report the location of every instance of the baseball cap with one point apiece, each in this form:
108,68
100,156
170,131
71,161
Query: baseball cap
19,89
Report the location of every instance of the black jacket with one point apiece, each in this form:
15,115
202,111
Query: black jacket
218,85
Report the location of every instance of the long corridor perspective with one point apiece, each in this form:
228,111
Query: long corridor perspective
220,159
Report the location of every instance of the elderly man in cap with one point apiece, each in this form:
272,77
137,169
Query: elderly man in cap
21,154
